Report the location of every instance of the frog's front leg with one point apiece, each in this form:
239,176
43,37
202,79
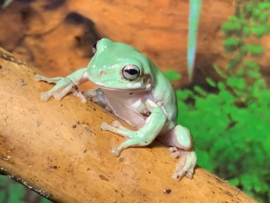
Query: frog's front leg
64,85
143,137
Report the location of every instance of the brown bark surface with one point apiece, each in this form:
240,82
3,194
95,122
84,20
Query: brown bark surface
57,149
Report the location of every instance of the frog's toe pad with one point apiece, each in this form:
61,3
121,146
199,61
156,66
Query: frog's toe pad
175,152
177,176
44,96
115,152
105,126
38,77
80,95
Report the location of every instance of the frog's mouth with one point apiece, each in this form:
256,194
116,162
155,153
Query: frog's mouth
136,87
144,83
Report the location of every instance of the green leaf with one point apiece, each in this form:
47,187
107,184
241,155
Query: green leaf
240,72
228,28
204,160
171,75
45,201
252,65
243,51
255,50
200,90
236,83
266,144
20,190
221,86
226,97
246,31
234,62
254,74
234,181
246,180
255,13
247,9
259,30
264,5
231,44
184,94
219,72
2,196
2,180
211,82
233,19
263,17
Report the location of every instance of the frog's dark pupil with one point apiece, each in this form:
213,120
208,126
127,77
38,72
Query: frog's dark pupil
95,46
132,71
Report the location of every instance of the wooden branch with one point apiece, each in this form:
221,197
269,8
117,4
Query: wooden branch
58,150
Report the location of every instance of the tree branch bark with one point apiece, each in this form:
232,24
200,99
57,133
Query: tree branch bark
58,150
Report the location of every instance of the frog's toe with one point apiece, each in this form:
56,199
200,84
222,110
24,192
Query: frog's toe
80,95
92,92
190,173
38,77
178,176
105,126
174,152
181,173
115,152
186,165
45,96
58,97
116,124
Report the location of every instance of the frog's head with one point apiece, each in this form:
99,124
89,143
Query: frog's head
118,66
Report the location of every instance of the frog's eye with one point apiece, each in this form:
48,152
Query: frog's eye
94,48
131,72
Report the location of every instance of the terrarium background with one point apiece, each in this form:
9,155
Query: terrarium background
232,140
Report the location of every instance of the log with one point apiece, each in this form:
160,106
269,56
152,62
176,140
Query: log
58,150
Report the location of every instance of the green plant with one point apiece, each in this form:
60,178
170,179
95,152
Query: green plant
232,127
12,192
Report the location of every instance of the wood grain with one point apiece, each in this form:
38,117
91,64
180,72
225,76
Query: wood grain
58,150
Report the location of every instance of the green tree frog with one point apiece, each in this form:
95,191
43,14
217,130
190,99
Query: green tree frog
134,89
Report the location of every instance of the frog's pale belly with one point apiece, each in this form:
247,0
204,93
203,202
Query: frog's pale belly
131,109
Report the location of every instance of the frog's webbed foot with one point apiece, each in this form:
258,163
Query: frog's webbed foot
182,142
64,85
129,135
186,165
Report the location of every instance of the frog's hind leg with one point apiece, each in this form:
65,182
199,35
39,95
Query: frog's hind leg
180,140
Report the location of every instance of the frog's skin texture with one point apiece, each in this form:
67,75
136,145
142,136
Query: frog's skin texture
134,89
